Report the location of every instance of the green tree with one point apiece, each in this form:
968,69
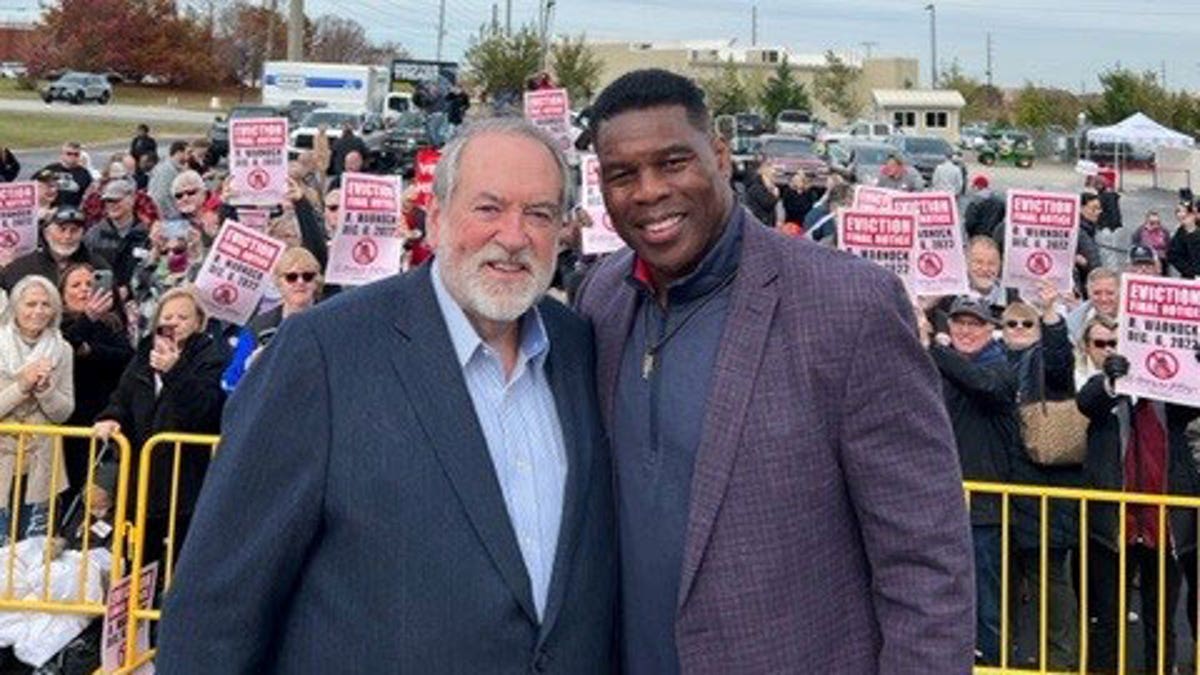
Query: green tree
782,92
834,86
500,64
576,68
1041,107
985,103
725,92
1125,93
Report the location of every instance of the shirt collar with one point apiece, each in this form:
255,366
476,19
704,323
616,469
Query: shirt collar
534,342
720,261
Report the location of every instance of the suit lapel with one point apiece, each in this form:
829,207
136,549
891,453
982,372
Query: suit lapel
743,342
428,369
614,320
568,389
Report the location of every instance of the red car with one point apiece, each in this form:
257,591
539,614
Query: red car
790,155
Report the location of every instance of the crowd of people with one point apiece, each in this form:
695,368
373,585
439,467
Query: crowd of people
101,327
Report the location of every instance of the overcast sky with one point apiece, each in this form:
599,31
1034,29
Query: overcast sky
1055,42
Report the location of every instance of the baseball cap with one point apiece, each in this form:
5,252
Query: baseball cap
979,182
117,189
46,175
965,304
1142,254
69,214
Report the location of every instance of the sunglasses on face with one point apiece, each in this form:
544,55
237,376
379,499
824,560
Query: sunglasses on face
1104,344
293,277
71,154
179,250
1013,323
186,193
332,207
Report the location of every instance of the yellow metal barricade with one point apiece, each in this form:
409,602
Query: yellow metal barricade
153,448
1086,502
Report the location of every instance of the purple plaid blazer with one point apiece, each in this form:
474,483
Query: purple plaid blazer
828,530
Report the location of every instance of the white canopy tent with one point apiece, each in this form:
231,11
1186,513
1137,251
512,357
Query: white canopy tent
1138,130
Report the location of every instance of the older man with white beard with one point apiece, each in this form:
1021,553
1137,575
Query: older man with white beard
61,246
417,470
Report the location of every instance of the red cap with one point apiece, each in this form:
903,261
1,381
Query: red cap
979,182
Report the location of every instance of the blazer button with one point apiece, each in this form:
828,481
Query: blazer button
541,662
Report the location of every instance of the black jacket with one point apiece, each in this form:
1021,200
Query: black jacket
1055,355
190,401
981,400
1110,213
761,201
797,203
1104,466
82,178
41,262
983,215
143,145
98,366
1184,253
10,168
104,240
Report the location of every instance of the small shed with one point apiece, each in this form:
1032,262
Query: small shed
933,112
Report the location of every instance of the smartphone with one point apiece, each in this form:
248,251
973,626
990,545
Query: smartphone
166,332
102,282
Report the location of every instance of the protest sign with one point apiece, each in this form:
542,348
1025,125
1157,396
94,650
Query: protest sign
1039,241
258,160
369,242
550,110
600,237
116,619
887,238
18,220
426,164
236,272
941,267
1159,330
873,198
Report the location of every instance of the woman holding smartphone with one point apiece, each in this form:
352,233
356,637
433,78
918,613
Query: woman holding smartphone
172,384
97,336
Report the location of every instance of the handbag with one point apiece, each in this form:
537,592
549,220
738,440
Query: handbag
1054,432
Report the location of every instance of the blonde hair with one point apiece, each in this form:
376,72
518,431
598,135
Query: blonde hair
188,292
19,290
1019,310
299,255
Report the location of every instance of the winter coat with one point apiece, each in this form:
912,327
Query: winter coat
41,262
52,406
761,201
981,399
1184,253
122,252
1104,465
190,401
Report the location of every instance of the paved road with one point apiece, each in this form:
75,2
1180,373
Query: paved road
32,160
116,111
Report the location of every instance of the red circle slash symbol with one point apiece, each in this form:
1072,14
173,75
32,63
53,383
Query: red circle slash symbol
225,294
1162,364
1039,263
258,179
930,264
9,238
365,252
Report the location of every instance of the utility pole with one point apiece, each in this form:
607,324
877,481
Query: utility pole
1163,69
507,18
989,59
754,25
295,33
269,48
547,11
933,83
495,18
868,45
441,28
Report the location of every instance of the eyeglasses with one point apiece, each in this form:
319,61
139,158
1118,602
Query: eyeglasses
73,153
186,193
179,250
293,277
1012,323
1104,344
332,207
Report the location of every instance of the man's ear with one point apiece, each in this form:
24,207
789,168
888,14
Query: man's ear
721,148
433,222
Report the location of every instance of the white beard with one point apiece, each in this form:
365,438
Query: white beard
489,299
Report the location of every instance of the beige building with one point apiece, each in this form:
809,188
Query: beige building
933,112
705,59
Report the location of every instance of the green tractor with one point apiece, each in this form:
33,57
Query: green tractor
1008,147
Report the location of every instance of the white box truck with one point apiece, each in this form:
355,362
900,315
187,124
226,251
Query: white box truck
339,86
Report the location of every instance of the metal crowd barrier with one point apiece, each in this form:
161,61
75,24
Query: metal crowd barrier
156,445
1084,500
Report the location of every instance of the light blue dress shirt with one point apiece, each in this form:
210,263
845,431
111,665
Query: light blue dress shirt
521,427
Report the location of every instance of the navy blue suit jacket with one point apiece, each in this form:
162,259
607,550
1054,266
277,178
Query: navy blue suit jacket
352,521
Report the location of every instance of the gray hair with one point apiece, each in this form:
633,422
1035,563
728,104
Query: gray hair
445,177
187,179
22,287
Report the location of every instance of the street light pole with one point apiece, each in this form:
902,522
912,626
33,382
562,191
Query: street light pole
932,44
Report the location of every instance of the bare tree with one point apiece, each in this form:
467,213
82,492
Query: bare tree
340,40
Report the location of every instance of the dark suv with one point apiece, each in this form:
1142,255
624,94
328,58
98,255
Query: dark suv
924,152
77,88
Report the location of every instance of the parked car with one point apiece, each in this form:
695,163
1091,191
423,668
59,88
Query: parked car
795,123
861,160
218,133
77,88
974,136
407,135
1108,153
924,153
11,70
367,126
790,155
749,124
